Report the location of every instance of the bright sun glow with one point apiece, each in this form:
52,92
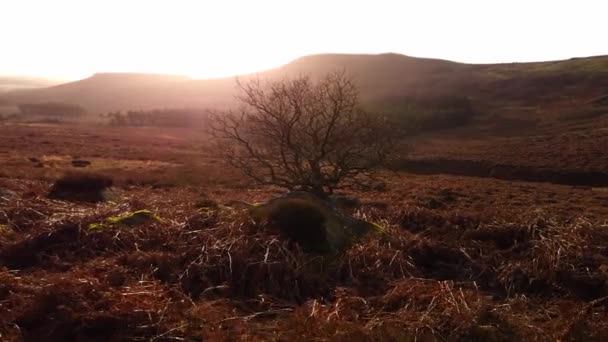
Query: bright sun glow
73,39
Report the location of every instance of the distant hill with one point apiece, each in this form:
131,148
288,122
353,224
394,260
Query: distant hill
380,77
19,83
121,91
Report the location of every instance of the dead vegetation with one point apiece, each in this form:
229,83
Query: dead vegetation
304,135
213,273
460,258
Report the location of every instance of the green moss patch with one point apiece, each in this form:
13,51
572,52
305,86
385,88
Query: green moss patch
133,218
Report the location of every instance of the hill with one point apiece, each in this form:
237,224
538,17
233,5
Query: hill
480,247
379,76
19,83
120,91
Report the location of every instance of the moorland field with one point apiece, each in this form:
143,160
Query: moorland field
494,229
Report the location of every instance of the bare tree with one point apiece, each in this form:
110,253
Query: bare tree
303,135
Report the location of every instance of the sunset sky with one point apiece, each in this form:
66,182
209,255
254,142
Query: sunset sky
73,39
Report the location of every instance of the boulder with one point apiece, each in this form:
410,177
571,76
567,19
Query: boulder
81,187
316,225
80,163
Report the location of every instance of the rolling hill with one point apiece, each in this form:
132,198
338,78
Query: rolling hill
570,82
20,83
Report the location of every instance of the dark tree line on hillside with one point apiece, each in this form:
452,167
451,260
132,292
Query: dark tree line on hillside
427,114
51,109
157,117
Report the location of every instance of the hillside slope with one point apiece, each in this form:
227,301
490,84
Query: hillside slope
19,83
570,82
120,91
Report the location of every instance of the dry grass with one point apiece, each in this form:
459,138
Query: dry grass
215,274
579,145
460,259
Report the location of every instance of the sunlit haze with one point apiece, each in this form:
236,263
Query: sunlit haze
74,39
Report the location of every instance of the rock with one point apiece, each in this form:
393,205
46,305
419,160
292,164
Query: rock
315,224
134,218
127,219
81,187
309,223
80,163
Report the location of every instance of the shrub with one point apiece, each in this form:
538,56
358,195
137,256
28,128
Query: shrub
304,135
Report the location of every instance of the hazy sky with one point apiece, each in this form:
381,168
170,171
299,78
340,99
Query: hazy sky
74,39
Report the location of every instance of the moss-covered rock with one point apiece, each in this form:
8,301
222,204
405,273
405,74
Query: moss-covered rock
316,225
308,223
127,219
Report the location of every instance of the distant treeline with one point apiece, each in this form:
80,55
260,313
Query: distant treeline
426,114
157,117
51,109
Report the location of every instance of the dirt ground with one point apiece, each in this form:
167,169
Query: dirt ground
460,258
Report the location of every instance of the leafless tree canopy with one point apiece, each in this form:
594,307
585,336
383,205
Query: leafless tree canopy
303,135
